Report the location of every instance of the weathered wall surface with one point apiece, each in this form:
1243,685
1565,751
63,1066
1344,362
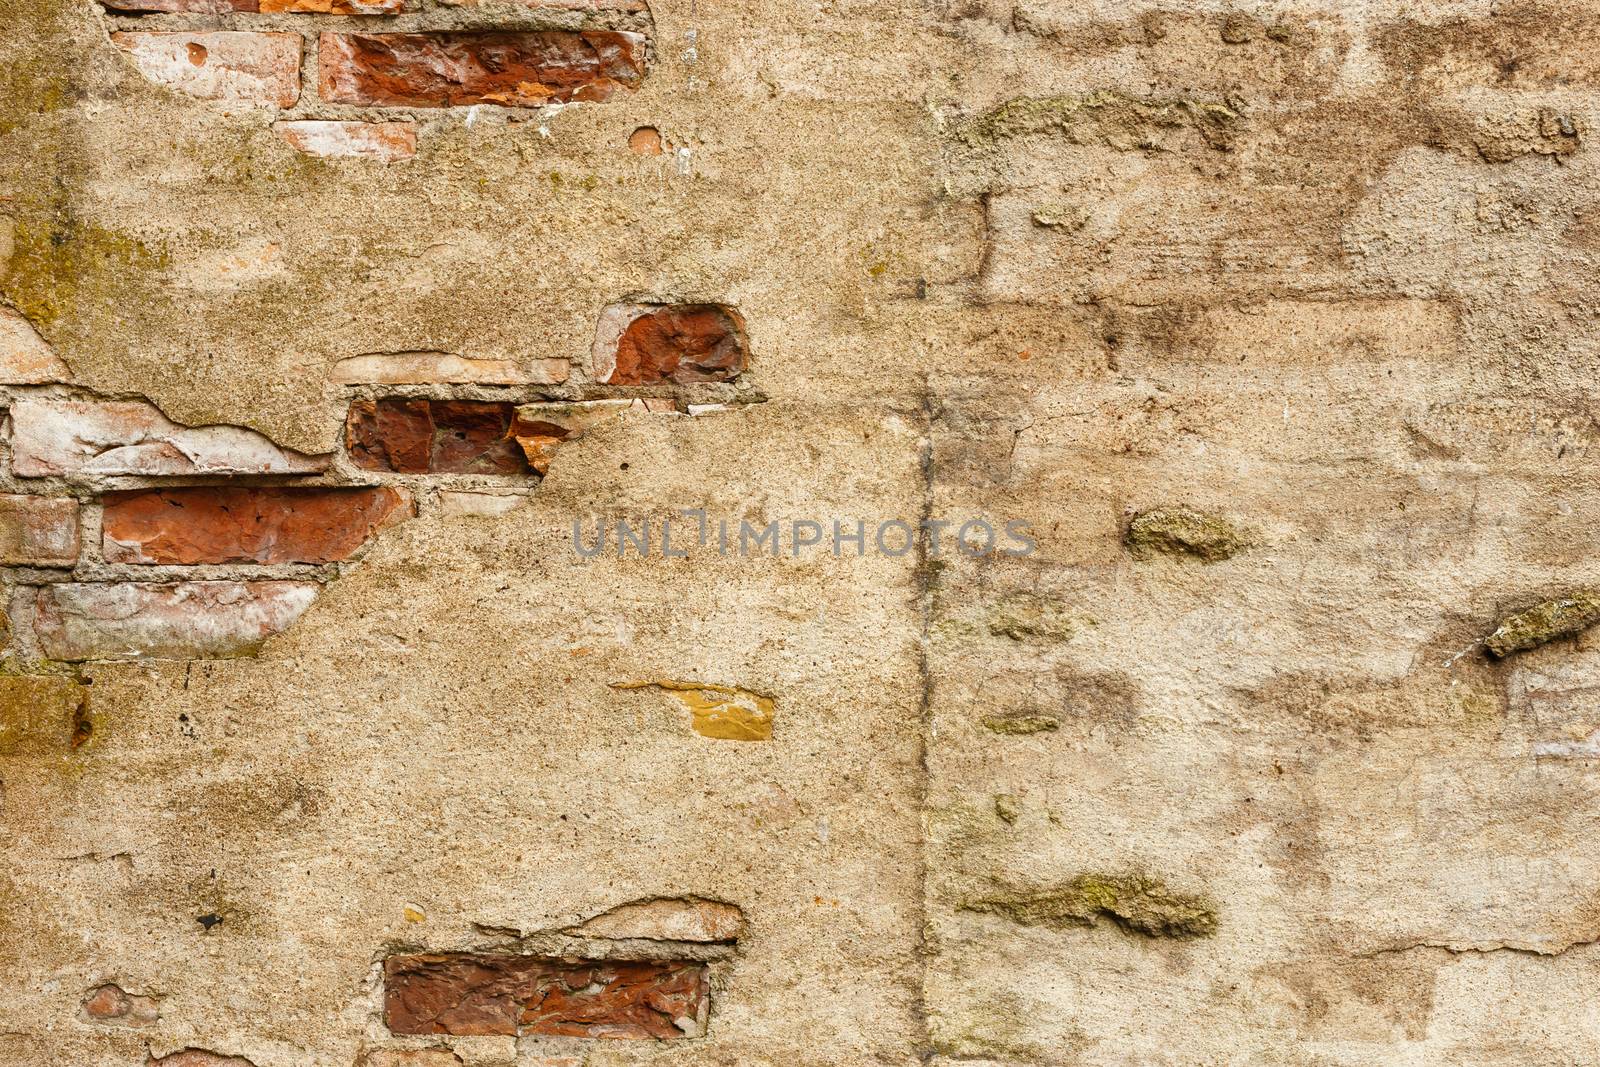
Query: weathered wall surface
322,321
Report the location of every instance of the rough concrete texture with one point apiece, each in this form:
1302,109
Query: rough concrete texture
1322,271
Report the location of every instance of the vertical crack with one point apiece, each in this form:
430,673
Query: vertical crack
924,592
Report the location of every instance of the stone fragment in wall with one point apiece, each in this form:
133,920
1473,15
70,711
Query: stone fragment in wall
646,344
25,358
693,919
1183,531
1561,617
386,142
199,1057
104,437
540,429
1066,218
1007,808
38,531
1116,120
1030,617
1021,724
1541,132
254,68
1136,903
430,368
41,714
111,1005
416,436
459,68
485,994
724,712
246,524
155,620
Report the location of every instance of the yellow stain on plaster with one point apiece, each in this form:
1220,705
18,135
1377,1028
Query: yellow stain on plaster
724,712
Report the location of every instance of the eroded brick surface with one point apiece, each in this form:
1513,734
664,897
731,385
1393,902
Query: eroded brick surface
514,69
492,994
38,531
261,69
684,343
433,436
237,524
25,358
421,368
88,437
153,620
388,142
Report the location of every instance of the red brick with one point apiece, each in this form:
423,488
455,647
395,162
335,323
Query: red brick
516,69
433,437
467,993
641,344
236,524
261,69
38,531
153,620
110,1005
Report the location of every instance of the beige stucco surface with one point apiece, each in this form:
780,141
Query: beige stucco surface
1326,270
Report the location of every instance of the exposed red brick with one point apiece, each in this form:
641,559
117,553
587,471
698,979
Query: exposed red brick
645,141
110,1005
682,343
516,69
38,531
236,524
387,142
433,436
251,68
153,620
466,993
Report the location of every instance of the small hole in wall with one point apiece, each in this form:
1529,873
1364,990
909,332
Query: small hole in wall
623,467
197,54
645,141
